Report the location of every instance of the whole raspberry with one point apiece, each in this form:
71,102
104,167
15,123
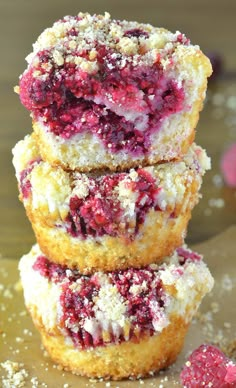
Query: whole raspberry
208,367
228,165
217,64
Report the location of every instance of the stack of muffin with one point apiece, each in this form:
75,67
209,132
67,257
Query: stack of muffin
109,178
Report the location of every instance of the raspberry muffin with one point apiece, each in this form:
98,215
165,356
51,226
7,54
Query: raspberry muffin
117,324
107,221
113,94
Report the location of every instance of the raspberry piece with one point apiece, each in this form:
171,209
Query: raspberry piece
101,211
25,184
137,33
228,165
208,367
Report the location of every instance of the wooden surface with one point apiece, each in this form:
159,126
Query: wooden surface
211,24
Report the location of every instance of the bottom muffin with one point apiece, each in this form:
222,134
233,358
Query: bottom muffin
118,324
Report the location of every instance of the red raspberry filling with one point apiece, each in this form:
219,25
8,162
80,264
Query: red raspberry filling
79,115
100,212
53,272
139,305
228,165
111,102
77,300
137,33
188,254
209,367
25,184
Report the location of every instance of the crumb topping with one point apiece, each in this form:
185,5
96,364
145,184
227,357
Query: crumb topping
114,205
116,306
110,305
74,35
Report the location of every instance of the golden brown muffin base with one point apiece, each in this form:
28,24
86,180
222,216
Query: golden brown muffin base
157,238
128,359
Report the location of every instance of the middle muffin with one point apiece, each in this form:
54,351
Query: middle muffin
108,221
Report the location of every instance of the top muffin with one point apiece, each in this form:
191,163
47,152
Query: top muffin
113,94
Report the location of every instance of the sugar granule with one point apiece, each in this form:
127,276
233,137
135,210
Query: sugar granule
16,374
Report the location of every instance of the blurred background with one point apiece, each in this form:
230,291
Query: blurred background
211,24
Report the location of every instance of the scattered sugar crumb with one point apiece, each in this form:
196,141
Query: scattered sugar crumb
3,271
208,212
34,382
216,202
227,283
18,286
28,332
7,293
231,102
217,336
217,180
16,374
19,339
215,308
227,325
218,99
